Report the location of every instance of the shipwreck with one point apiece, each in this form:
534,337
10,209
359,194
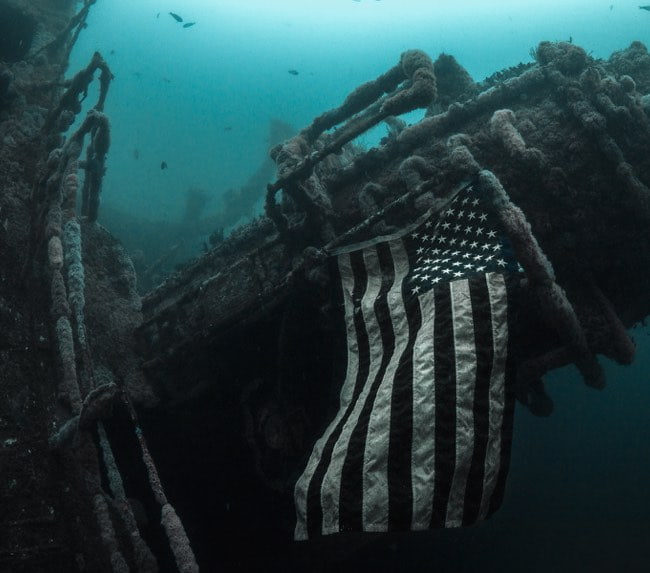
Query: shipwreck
158,432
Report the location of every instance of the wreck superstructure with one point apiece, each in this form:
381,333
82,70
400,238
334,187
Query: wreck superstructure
236,354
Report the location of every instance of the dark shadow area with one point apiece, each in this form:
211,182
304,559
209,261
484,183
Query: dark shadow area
229,441
16,33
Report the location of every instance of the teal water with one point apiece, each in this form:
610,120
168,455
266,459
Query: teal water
202,98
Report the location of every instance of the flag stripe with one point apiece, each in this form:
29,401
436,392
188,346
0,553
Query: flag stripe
465,368
445,412
400,491
484,357
354,283
362,469
365,263
424,406
379,433
338,502
498,289
493,462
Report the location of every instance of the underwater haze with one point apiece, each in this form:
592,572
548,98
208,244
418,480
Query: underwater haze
191,107
201,98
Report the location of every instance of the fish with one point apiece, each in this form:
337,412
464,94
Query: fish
176,17
293,72
163,165
136,154
646,7
188,24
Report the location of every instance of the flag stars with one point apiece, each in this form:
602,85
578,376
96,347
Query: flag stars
465,241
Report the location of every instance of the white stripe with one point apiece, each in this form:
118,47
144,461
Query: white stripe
375,461
499,311
331,487
423,451
302,485
465,360
348,284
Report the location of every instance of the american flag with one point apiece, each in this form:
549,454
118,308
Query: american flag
422,436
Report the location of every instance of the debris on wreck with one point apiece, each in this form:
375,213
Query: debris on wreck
66,356
238,354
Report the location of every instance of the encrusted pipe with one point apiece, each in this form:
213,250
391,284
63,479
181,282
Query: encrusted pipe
557,309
